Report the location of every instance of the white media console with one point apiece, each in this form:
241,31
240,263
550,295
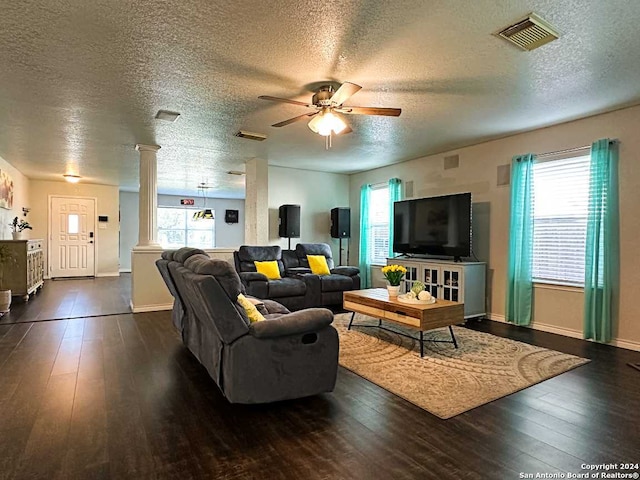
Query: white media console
456,281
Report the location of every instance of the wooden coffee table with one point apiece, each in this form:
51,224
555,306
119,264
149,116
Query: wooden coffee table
375,302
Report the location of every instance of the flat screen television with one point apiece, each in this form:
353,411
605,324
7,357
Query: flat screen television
438,226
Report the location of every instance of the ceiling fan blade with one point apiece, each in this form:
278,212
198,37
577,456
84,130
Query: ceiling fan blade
344,92
346,130
284,100
294,119
389,112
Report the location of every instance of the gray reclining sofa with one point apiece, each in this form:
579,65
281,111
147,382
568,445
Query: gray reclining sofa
288,355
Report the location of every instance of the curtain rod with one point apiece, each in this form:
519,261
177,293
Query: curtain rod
570,150
560,152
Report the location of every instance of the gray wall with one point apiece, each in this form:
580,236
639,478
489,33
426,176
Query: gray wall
316,193
227,235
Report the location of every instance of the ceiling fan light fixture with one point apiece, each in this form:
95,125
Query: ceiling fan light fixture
314,123
327,122
205,213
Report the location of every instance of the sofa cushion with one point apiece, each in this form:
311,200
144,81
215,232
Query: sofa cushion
269,269
168,254
304,249
246,255
223,271
318,264
286,287
183,253
335,283
250,309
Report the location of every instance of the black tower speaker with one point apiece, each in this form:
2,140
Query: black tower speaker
340,222
289,224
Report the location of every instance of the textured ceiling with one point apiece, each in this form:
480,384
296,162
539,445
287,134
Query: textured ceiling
80,81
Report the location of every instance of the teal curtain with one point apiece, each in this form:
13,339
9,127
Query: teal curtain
394,196
602,253
520,260
365,254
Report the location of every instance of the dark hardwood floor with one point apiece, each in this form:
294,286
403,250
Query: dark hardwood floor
73,298
120,397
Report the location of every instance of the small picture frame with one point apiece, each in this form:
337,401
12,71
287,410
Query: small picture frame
231,216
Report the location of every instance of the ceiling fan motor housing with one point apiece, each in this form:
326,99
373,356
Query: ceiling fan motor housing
323,97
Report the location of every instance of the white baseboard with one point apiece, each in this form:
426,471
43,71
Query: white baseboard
125,270
569,332
109,274
151,308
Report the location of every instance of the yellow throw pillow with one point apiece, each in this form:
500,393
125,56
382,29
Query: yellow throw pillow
318,264
250,309
270,269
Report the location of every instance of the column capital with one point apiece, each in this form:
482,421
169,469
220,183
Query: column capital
147,148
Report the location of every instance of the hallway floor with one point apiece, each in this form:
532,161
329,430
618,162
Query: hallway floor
73,298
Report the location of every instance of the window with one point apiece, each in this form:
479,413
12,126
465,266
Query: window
560,205
379,224
73,223
176,228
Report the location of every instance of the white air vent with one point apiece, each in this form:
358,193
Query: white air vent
251,135
167,116
529,33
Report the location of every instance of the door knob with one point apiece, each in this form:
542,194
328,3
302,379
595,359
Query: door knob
90,241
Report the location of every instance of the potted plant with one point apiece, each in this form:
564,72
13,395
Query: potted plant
394,275
6,257
18,227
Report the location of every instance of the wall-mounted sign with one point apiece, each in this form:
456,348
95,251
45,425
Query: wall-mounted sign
187,201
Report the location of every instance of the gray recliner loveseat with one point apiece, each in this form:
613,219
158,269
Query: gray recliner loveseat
325,290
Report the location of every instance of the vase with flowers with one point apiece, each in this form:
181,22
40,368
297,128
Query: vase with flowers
394,275
18,229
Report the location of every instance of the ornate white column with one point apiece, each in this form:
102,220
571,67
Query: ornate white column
148,197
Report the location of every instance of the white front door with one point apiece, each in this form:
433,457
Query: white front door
72,237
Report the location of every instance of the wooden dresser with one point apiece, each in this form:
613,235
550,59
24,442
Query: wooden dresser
26,275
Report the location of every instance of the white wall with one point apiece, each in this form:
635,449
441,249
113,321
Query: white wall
316,193
107,204
129,206
20,199
554,310
227,235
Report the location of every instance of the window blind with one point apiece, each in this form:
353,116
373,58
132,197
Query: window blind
379,225
560,205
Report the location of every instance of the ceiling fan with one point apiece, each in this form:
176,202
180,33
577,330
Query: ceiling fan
328,105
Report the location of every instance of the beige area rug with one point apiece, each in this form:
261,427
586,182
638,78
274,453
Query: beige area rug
447,381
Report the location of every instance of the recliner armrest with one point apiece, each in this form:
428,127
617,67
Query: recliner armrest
302,321
348,271
275,307
253,277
